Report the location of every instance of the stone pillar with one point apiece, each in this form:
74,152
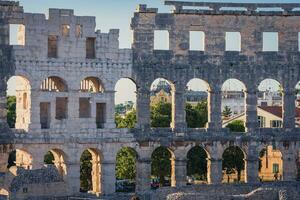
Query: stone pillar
34,122
3,105
73,177
251,110
180,172
289,167
288,110
214,109
178,109
108,177
143,173
143,108
96,176
251,170
110,110
214,171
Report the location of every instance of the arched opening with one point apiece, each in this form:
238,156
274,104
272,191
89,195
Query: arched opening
90,171
18,102
162,168
57,158
270,164
196,103
4,194
269,110
91,84
161,98
233,165
20,158
233,105
126,170
297,105
197,165
54,84
125,103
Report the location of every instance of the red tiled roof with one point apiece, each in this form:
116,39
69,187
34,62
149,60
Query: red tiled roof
277,110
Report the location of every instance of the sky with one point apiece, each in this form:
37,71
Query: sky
112,14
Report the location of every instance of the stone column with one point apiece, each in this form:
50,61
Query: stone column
143,108
34,122
73,177
214,109
96,176
251,110
214,171
178,109
3,105
288,110
108,177
180,172
110,110
251,170
143,173
289,167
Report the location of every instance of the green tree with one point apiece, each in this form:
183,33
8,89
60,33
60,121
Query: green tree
233,159
227,111
161,164
126,164
236,126
128,121
197,163
196,116
49,158
161,114
85,171
11,111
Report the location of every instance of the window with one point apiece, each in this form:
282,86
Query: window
65,29
161,40
78,30
197,40
100,114
90,48
270,41
276,123
275,168
52,46
61,108
233,41
17,34
45,115
84,108
261,121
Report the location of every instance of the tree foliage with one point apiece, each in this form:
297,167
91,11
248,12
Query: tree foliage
161,164
161,114
128,121
236,126
196,116
11,111
233,159
86,171
49,158
126,164
197,163
227,111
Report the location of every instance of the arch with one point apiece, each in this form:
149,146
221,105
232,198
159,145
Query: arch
270,164
233,165
91,84
57,158
18,102
4,194
126,163
162,167
90,171
162,103
196,106
20,158
125,103
270,104
197,165
54,84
